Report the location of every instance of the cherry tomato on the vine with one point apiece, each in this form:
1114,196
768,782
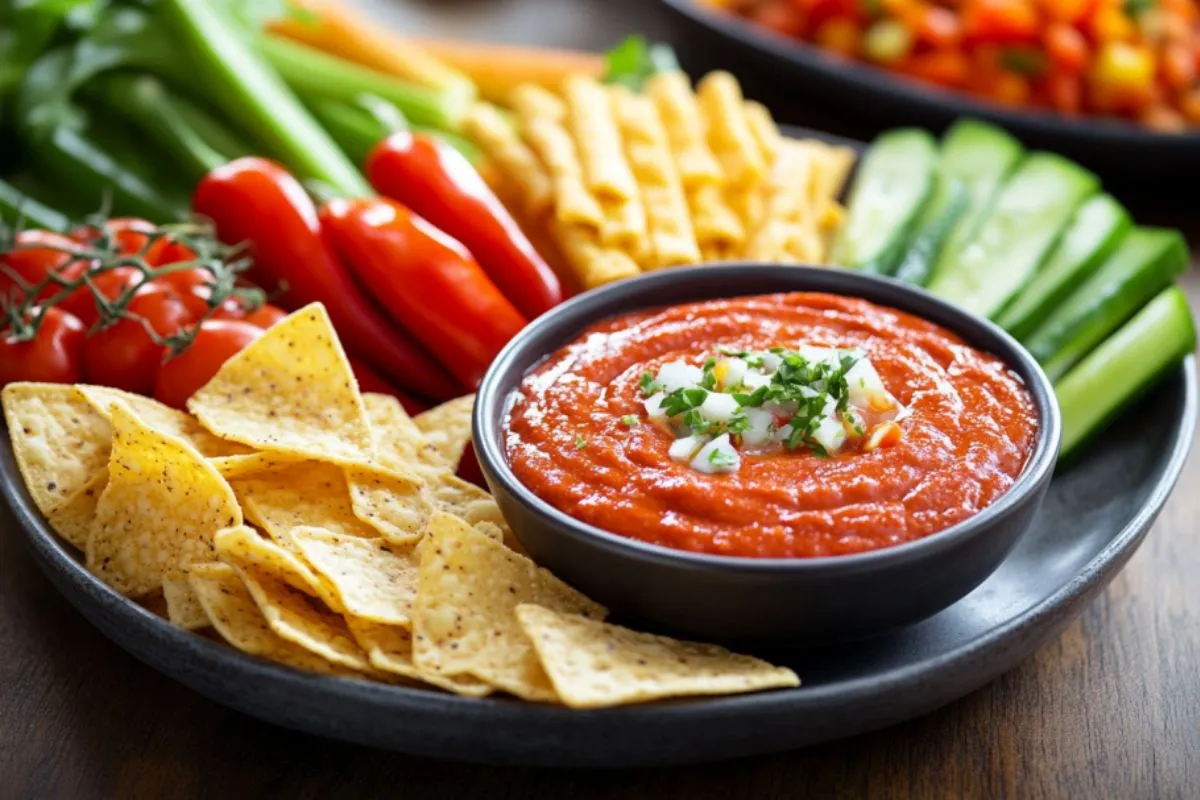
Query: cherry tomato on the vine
52,356
35,255
123,354
110,284
264,316
193,285
217,340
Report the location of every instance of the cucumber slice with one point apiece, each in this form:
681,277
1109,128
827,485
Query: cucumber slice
1098,227
1127,365
1015,237
943,211
981,156
1144,264
894,182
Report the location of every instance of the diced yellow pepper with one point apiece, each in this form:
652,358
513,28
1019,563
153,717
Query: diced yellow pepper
1122,66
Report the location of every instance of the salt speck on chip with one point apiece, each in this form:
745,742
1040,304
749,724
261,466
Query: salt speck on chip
292,391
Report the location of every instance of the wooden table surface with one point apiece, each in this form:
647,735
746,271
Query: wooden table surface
1111,709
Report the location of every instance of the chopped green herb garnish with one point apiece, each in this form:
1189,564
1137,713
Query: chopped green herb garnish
630,421
580,442
721,458
648,384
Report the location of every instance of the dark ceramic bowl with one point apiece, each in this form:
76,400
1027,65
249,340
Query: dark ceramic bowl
772,602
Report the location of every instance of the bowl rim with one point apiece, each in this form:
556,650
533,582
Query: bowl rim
491,406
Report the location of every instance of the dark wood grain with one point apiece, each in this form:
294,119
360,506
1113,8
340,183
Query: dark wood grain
1111,709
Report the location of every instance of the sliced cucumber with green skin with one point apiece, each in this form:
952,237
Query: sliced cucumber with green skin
894,182
1099,226
1144,264
941,214
981,156
1127,365
1030,213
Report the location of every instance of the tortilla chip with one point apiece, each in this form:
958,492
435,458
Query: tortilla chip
160,510
161,418
292,390
466,501
394,505
246,465
310,493
400,446
490,530
371,581
59,442
183,605
594,664
389,649
244,547
448,428
303,620
464,623
73,519
234,614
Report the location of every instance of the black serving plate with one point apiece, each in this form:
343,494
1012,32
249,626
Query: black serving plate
1132,155
1093,519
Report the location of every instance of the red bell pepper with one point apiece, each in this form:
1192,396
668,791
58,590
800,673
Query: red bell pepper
256,201
437,182
426,279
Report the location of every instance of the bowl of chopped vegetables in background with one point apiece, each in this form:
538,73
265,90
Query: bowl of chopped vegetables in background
1113,85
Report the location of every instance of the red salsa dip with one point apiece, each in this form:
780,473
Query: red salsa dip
621,428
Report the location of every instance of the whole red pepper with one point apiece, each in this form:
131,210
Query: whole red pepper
437,182
426,279
254,200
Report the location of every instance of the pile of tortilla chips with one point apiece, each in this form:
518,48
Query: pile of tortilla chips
321,528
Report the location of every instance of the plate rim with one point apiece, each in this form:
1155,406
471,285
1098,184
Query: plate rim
864,77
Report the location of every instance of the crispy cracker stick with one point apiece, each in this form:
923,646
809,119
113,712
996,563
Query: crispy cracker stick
788,203
592,263
512,157
542,115
672,238
672,95
592,123
625,226
766,132
717,227
729,134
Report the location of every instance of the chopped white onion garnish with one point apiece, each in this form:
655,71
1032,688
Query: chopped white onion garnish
653,405
679,375
717,456
746,399
683,449
719,407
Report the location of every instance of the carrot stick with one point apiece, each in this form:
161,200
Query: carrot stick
497,69
340,31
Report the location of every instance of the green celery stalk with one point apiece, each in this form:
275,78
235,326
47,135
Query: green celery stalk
97,174
196,142
357,130
318,74
242,85
19,209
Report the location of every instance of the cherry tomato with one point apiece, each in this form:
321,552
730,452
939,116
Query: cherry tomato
123,354
165,251
216,342
110,285
192,285
264,316
32,263
52,356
